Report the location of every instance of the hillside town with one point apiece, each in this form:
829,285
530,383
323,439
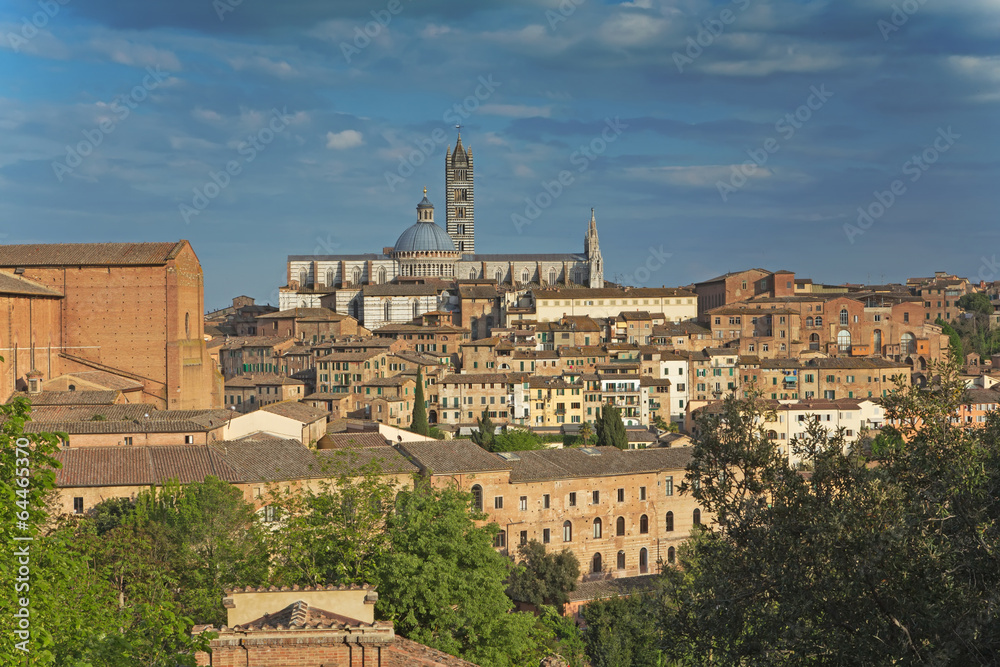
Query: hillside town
112,345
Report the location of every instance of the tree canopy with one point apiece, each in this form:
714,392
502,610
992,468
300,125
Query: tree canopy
419,423
610,428
542,577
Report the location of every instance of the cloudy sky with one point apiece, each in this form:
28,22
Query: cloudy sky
727,135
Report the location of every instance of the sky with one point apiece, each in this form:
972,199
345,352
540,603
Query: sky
845,140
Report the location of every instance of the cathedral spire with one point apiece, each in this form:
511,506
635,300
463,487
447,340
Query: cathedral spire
592,248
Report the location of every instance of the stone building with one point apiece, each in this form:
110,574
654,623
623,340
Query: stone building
133,310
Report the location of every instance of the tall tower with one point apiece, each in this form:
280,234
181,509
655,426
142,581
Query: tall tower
592,248
460,215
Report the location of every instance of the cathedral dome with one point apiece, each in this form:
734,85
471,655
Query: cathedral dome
424,236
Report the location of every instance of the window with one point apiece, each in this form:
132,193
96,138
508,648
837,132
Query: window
819,321
668,484
642,493
188,439
670,522
671,555
128,440
621,495
595,565
596,498
597,528
271,513
620,526
643,524
524,537
696,517
477,497
567,531
572,499
844,319
545,501
523,503
643,561
500,541
498,502
546,536
78,505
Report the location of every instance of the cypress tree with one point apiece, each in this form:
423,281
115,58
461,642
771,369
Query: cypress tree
419,423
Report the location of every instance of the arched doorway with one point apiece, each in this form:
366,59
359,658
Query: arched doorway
432,416
595,564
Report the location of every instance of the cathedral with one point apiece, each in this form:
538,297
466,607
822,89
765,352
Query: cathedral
412,277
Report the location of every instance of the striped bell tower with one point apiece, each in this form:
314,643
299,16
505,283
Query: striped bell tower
460,216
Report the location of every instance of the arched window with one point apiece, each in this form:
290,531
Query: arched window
595,564
387,311
621,560
877,341
356,276
671,555
477,497
809,321
472,274
620,526
302,278
843,317
907,343
696,517
329,277
499,275
819,321
814,341
552,276
187,325
643,560
597,528
567,531
772,435
381,276
525,277
844,340
670,522
643,524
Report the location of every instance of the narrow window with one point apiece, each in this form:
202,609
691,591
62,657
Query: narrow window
545,501
567,532
546,536
477,497
671,555
643,524
670,522
620,526
78,505
696,518
597,528
498,503
596,565
668,484
572,499
621,560
523,503
621,495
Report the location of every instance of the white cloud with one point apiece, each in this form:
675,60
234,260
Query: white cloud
135,54
343,140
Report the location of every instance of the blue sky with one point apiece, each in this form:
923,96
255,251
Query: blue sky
725,134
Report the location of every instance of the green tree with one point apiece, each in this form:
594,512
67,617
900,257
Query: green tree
890,555
976,302
623,631
419,423
954,341
610,428
542,577
443,584
211,538
485,433
333,532
516,440
586,433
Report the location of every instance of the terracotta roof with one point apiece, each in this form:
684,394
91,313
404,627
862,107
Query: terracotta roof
255,379
140,466
549,464
89,254
324,314
115,427
602,588
601,293
425,655
266,458
68,397
481,378
307,414
452,456
11,284
349,460
353,439
105,379
126,412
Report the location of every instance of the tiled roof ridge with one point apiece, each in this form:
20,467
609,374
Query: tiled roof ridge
305,589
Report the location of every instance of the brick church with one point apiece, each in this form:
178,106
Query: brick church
106,316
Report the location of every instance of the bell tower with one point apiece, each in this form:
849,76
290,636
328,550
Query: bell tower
460,217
